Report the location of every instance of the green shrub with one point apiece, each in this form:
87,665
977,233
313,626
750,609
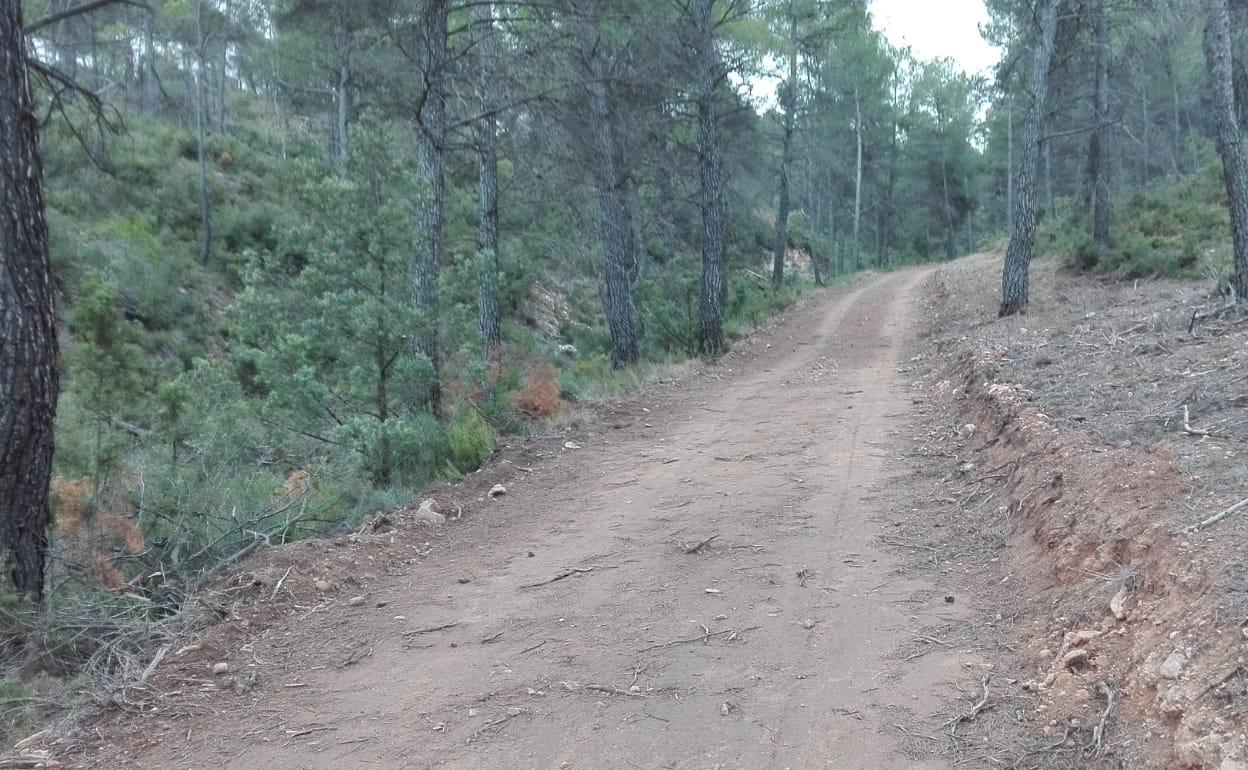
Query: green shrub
470,439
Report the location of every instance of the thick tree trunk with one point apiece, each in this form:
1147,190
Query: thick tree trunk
789,98
28,375
1050,200
1100,177
342,112
1230,141
149,85
951,248
431,217
201,152
886,225
487,182
1009,163
712,289
1015,274
615,223
858,184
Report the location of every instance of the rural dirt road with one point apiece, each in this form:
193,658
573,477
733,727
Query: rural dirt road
779,643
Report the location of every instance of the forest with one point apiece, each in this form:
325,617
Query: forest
271,267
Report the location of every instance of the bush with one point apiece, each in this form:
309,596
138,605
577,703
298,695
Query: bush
471,440
540,396
1160,231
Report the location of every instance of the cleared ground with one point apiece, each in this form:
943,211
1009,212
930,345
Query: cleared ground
700,584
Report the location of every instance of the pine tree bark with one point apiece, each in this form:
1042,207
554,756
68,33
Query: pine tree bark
858,184
789,98
149,85
1015,274
28,346
1100,194
487,183
1009,163
431,215
615,222
712,289
201,151
1230,140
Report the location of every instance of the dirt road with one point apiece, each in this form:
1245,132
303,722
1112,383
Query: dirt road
773,645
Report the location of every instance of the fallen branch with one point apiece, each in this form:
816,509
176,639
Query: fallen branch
701,545
904,544
1098,732
565,574
430,630
1214,519
1187,425
979,706
704,637
602,688
494,726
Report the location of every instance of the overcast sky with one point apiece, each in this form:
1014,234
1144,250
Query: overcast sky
938,28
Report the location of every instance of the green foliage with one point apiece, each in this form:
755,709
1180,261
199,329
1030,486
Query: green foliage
470,439
1166,229
332,344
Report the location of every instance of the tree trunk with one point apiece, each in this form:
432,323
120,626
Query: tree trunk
858,183
1009,163
1050,200
342,112
1230,142
712,289
1100,177
432,205
28,348
886,225
615,224
1015,274
201,105
487,183
789,98
951,248
149,85
222,85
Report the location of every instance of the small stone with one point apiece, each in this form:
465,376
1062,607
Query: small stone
1076,657
1118,604
324,586
949,600
1079,638
725,709
429,514
497,490
1171,702
634,688
355,601
220,668
571,445
187,650
1172,666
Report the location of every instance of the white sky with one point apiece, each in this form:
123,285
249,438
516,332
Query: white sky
938,28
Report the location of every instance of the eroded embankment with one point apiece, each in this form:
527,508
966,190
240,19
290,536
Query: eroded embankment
1114,630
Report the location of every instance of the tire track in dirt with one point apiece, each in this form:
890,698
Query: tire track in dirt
770,646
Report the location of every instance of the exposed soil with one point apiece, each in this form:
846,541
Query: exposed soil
1061,469
698,581
891,531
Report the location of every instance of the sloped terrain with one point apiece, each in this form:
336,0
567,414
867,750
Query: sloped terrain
1071,452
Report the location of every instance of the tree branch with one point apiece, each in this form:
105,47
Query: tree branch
77,10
